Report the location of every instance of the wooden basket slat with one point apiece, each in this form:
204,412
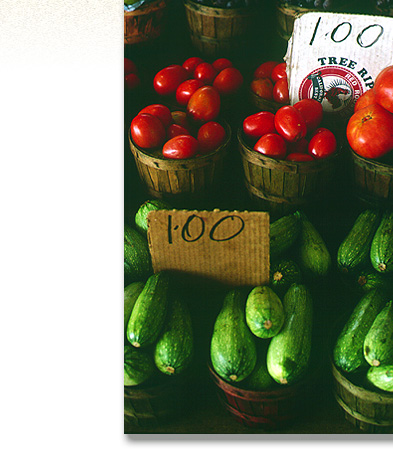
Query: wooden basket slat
291,184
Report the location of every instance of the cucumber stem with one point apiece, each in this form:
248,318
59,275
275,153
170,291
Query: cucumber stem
233,377
267,324
170,369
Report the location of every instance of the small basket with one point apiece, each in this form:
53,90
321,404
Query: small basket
144,24
180,181
218,32
281,186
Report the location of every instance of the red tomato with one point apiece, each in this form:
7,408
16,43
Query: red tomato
205,72
279,72
272,145
180,147
301,146
191,63
129,67
256,125
177,130
147,131
160,111
311,111
263,87
228,81
322,145
180,118
204,104
290,124
383,88
365,99
281,92
186,89
265,69
131,81
370,131
168,79
299,157
221,64
210,136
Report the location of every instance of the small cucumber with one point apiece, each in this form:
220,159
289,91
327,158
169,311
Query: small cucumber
283,234
283,274
260,379
143,211
137,259
381,377
381,252
138,366
368,279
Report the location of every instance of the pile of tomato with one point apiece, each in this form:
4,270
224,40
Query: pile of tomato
270,82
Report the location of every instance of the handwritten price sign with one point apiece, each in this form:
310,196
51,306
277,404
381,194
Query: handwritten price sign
230,247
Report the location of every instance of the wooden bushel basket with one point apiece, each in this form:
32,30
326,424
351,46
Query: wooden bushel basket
181,179
218,32
282,186
145,23
261,104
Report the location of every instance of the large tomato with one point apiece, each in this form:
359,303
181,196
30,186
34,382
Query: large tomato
290,124
281,92
263,87
147,131
311,111
204,104
180,147
322,144
205,72
186,89
370,131
168,79
210,136
365,99
191,63
272,145
265,69
256,125
279,72
383,88
177,130
228,81
221,64
160,111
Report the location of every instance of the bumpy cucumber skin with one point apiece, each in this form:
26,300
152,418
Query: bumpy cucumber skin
348,350
381,377
354,251
137,259
381,251
174,349
283,274
314,256
288,355
284,233
369,279
149,312
131,293
138,366
264,312
143,211
233,350
260,379
378,344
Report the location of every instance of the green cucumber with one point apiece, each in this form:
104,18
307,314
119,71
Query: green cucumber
233,350
149,312
354,251
138,366
378,344
288,355
131,293
381,377
264,312
381,252
348,350
315,259
283,274
174,349
143,211
368,279
260,379
137,259
283,234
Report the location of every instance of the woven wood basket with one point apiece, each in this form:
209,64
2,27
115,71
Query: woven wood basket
281,186
145,23
218,32
261,104
181,180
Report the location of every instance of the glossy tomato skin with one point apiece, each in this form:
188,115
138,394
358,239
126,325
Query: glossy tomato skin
272,145
205,72
256,125
210,136
186,89
129,67
221,64
265,69
365,99
311,111
383,88
167,80
322,145
131,81
290,124
180,147
176,130
160,111
279,72
370,131
263,87
204,104
190,64
147,131
281,92
228,81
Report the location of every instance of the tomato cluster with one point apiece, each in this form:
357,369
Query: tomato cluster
174,134
292,133
270,82
131,78
370,128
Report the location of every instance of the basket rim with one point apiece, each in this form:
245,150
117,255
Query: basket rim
224,11
256,98
372,162
154,5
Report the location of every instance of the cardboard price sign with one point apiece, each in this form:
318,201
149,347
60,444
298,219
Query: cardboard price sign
335,58
230,247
